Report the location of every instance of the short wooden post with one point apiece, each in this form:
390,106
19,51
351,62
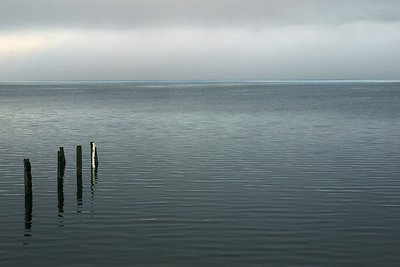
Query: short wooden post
63,161
27,177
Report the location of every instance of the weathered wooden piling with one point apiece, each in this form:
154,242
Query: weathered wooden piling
63,161
27,177
79,175
60,182
96,159
92,154
79,161
94,162
60,167
28,194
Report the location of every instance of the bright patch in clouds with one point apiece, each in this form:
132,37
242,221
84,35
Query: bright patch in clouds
353,50
20,44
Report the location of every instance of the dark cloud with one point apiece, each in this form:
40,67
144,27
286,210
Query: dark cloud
22,14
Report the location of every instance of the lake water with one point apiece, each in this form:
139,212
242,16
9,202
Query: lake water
202,174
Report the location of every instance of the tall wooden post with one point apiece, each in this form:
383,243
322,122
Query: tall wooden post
27,177
60,178
79,161
63,161
92,155
28,194
60,164
96,159
94,164
79,174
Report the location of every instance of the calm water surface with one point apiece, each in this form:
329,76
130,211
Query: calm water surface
202,174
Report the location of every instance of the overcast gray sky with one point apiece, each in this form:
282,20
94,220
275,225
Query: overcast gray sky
183,39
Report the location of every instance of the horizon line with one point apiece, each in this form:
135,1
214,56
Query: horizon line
208,80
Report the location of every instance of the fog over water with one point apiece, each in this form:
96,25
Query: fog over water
179,39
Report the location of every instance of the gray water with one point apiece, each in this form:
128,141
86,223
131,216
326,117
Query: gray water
202,174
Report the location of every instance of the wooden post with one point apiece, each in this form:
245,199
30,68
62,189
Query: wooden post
79,161
28,194
93,155
27,177
60,179
79,174
94,161
63,161
60,167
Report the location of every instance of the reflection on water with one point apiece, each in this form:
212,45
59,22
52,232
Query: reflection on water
28,214
79,187
93,183
246,175
60,195
60,191
93,178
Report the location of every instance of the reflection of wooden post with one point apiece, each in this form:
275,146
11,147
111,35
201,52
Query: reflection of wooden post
60,194
28,211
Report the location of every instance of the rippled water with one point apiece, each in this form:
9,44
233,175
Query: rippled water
203,174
